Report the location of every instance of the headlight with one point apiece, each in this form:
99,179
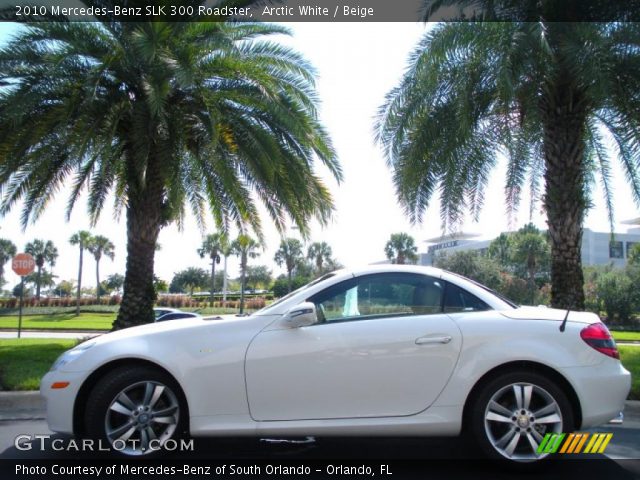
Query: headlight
70,355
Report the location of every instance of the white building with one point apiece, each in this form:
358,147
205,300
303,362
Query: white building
598,248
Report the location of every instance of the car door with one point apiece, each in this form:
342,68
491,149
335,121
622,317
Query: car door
382,348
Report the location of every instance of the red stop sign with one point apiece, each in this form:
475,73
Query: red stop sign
23,264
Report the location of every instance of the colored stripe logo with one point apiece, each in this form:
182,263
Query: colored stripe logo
574,443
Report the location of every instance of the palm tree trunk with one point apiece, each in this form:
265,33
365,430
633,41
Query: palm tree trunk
565,202
532,286
79,281
289,280
242,277
98,281
144,221
213,277
224,283
38,279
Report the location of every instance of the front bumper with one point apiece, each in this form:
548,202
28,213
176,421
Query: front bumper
602,390
61,401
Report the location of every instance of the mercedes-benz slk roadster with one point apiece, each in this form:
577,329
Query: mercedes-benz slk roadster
384,350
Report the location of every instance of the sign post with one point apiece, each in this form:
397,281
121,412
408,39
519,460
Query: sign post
22,264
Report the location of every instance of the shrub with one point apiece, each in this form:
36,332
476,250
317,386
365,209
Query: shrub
618,294
255,303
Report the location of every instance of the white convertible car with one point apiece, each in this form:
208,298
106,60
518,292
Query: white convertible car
383,350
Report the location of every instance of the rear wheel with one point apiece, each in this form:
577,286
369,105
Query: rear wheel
135,410
513,413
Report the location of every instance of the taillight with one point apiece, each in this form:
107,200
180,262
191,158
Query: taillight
597,336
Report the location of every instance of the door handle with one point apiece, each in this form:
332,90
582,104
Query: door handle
432,340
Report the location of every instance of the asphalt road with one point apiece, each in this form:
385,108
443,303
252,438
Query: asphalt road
406,457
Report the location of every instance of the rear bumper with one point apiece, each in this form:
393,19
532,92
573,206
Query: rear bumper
602,390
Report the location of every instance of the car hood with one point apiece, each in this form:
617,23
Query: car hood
543,313
178,326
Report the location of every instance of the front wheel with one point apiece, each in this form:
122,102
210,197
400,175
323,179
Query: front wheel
513,413
135,410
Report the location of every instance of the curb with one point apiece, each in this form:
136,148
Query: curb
22,406
30,405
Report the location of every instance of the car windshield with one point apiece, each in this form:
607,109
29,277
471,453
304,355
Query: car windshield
304,287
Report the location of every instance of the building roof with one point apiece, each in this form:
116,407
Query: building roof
452,236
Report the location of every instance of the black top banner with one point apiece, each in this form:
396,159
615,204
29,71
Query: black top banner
322,10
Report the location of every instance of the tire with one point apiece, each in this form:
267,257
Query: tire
512,413
135,410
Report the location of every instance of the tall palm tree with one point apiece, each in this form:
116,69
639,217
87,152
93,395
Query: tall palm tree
81,238
290,255
320,253
213,245
550,94
163,114
7,252
42,252
99,246
401,249
245,247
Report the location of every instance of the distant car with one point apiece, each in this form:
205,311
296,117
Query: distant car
163,314
386,350
160,311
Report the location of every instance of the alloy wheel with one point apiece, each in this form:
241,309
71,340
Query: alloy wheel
517,417
141,418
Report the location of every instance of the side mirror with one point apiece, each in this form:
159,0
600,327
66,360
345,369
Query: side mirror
301,315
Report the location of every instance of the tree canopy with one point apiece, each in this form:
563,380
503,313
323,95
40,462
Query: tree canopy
211,117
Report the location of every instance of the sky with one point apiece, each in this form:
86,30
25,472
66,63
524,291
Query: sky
357,64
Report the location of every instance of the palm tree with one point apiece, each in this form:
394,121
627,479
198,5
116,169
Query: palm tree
42,252
99,246
163,114
213,245
320,253
500,249
82,239
7,252
290,255
245,247
550,94
531,251
191,278
401,249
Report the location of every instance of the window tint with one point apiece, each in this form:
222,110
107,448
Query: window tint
384,294
630,245
175,316
615,250
458,300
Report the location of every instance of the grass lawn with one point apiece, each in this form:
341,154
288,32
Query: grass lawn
630,357
628,336
25,360
86,321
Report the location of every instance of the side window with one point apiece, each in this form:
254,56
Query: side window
458,300
380,295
